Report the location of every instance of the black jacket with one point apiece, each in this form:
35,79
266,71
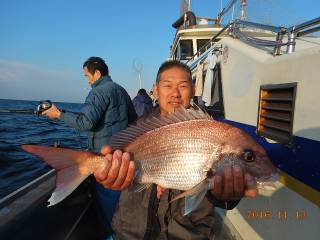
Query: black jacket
140,215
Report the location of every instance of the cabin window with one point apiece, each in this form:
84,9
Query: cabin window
201,43
276,110
186,49
175,56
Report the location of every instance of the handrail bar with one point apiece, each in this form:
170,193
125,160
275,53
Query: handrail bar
304,25
275,29
312,30
292,32
259,25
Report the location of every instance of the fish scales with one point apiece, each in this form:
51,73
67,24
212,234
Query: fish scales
176,156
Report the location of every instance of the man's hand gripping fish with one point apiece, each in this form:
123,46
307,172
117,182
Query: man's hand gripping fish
182,150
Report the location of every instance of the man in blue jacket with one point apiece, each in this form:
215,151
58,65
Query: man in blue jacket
107,110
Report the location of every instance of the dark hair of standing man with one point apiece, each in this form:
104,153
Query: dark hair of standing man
96,63
173,64
142,92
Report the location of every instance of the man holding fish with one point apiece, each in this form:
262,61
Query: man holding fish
174,166
156,212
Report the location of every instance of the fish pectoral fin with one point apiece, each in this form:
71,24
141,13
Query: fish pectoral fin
193,191
193,196
137,187
193,201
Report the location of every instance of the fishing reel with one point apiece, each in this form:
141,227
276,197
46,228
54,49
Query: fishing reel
43,106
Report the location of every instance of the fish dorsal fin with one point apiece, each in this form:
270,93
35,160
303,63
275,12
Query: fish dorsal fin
154,121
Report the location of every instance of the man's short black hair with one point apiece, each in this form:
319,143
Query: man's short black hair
173,64
96,63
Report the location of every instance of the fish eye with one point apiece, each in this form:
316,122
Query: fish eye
249,156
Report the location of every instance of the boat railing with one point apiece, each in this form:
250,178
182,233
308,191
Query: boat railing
270,28
236,31
301,30
26,188
20,202
207,44
292,32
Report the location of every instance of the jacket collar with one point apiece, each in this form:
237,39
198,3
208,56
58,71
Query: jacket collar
104,78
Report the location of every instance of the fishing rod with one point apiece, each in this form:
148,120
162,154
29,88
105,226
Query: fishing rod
42,106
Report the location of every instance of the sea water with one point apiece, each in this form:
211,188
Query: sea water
18,167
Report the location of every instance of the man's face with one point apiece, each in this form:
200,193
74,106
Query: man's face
173,90
91,78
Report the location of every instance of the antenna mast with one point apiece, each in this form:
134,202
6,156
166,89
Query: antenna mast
243,9
184,6
137,66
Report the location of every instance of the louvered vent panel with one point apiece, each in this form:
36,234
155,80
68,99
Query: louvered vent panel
276,111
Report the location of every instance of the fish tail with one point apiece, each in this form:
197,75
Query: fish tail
68,165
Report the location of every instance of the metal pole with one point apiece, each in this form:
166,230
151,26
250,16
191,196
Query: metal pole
232,15
291,41
279,38
243,6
